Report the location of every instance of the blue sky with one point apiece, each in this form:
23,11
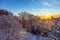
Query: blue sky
36,7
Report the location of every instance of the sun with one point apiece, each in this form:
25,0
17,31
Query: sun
47,17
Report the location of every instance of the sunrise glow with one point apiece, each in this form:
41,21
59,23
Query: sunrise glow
47,17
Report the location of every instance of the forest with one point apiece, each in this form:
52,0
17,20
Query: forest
26,26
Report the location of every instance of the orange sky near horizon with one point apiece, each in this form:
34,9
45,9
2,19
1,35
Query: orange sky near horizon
49,16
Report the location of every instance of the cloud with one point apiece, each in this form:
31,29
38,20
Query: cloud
43,3
43,11
35,2
47,4
46,11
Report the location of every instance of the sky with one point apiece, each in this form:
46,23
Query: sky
36,7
